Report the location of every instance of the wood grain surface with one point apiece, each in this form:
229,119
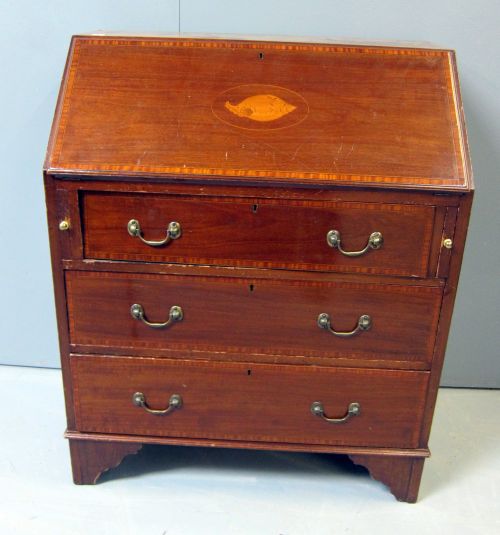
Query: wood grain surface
353,114
242,315
258,402
257,149
90,459
402,475
257,232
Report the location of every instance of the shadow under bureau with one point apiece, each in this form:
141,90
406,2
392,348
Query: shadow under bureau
255,244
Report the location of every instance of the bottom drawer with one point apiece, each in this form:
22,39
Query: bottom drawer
248,402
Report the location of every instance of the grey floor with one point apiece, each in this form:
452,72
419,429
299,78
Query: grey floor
184,491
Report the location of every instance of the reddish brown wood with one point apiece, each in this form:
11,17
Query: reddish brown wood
161,128
258,233
385,116
401,474
437,241
90,459
57,246
464,144
448,233
235,273
250,190
449,295
240,402
247,444
245,315
236,355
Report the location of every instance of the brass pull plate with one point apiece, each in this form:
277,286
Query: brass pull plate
174,232
364,323
175,402
354,409
175,314
375,241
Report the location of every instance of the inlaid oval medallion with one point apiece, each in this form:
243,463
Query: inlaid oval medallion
260,107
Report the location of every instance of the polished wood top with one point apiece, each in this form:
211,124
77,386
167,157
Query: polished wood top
267,112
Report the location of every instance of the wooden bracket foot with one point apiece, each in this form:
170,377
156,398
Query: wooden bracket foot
401,474
89,459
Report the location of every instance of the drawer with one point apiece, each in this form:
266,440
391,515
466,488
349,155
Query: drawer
259,233
263,316
239,401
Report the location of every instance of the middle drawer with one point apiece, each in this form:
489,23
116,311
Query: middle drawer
160,313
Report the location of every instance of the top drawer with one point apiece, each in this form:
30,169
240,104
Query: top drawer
263,233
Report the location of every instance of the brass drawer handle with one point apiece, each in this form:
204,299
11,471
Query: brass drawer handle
175,314
353,410
364,323
174,231
175,402
375,241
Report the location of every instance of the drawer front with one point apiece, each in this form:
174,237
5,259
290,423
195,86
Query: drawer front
277,317
259,233
257,402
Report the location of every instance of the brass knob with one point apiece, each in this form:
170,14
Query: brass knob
64,224
448,243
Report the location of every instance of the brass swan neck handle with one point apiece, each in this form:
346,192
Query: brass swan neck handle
364,323
175,402
375,241
174,232
175,314
353,410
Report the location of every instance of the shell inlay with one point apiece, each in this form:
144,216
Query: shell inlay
262,108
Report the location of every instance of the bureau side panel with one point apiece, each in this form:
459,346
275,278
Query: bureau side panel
449,294
57,204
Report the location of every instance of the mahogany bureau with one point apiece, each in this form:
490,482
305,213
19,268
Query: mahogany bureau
255,244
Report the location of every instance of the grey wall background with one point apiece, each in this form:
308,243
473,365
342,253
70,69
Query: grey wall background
34,37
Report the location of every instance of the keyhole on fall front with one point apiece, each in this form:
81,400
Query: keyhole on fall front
261,55
255,207
250,287
249,372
